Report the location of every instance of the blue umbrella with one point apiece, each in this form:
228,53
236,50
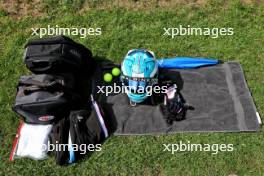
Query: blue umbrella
186,62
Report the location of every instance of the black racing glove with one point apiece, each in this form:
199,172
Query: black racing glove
173,107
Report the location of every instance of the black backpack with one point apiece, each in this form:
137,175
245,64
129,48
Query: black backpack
57,54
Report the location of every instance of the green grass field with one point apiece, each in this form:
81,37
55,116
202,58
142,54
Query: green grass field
135,24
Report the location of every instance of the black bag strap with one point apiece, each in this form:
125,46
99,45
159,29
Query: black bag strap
42,81
39,84
34,85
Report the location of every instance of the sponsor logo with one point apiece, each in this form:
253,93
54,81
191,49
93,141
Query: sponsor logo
46,118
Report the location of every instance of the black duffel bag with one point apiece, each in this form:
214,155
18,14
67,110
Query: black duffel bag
43,99
57,54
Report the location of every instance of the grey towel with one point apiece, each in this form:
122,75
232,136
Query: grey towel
219,94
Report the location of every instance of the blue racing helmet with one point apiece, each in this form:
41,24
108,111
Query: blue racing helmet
139,70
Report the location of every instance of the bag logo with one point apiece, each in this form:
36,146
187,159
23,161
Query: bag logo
46,118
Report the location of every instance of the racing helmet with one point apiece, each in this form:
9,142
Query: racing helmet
139,70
